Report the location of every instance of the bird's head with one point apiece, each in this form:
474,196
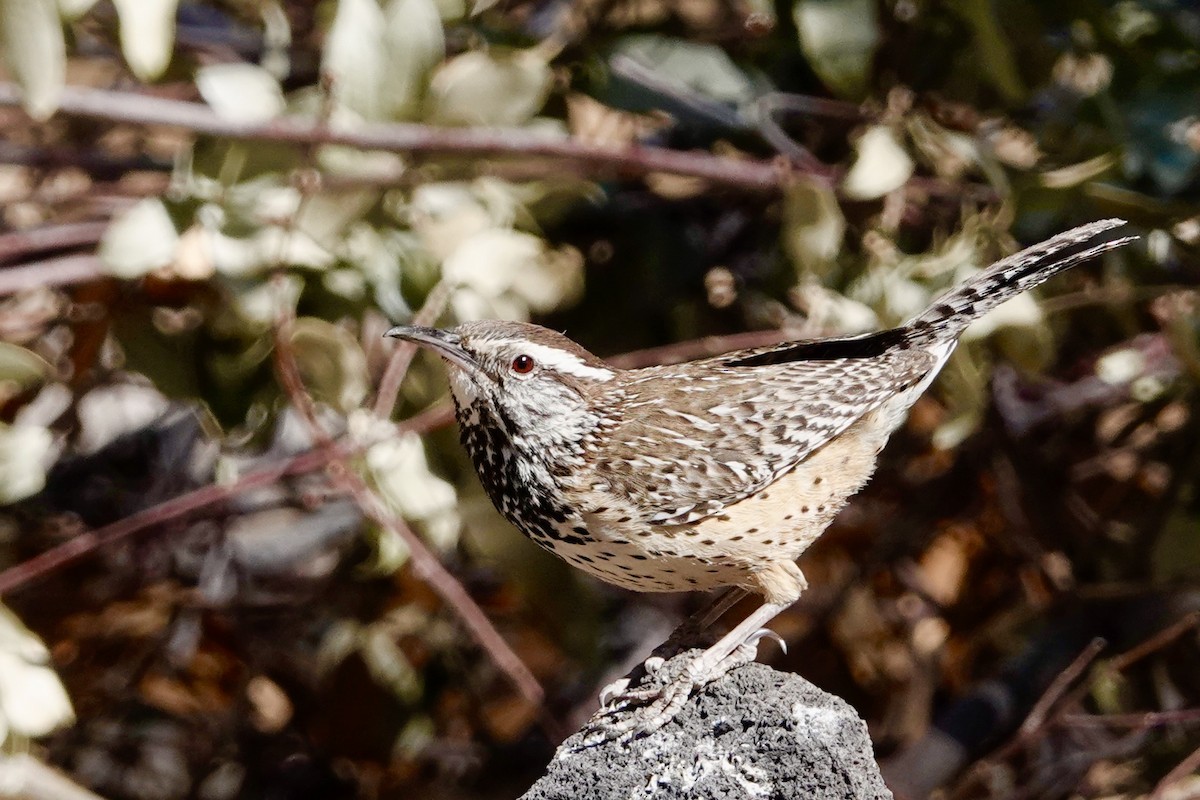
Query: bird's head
533,381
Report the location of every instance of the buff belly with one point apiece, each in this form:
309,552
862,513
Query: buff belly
753,543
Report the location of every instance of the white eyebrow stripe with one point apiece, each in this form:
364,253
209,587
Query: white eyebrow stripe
562,361
567,363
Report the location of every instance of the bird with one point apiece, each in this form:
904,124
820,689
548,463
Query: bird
712,474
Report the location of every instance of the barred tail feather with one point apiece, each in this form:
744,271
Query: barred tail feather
947,316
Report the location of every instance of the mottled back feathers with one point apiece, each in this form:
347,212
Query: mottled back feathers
685,441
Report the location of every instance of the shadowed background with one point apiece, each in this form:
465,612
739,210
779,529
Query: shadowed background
242,551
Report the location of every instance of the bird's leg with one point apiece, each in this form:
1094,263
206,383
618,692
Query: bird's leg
688,632
660,704
684,636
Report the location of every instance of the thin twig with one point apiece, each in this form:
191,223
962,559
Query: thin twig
810,106
17,244
63,271
432,418
1145,648
142,109
1058,687
1155,643
403,354
1183,769
770,129
424,563
1139,719
83,545
743,174
426,567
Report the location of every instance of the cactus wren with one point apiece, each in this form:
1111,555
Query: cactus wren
709,474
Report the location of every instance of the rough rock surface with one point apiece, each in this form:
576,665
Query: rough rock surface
756,733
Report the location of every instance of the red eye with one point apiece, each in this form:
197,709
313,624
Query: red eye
522,364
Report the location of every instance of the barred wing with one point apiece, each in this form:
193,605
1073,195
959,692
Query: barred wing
725,428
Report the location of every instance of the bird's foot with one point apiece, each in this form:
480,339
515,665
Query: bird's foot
627,712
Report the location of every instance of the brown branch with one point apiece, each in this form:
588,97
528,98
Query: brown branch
81,546
1183,769
1061,694
1058,687
1137,719
426,567
750,175
63,271
432,418
142,109
424,563
1155,643
1147,647
780,103
403,354
18,244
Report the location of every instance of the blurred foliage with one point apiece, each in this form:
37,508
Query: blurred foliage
156,281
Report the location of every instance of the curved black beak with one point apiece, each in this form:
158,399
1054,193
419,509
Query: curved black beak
446,344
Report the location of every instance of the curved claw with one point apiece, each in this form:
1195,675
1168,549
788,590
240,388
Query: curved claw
613,691
664,704
766,633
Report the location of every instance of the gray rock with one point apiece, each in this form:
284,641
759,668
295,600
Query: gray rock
756,733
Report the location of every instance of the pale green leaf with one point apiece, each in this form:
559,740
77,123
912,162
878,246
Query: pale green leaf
401,472
351,162
74,9
839,38
325,216
147,35
813,226
1021,311
346,283
265,249
24,450
254,306
355,59
32,40
444,215
379,59
492,88
277,39
388,664
506,273
21,367
33,701
331,362
240,92
993,50
689,66
881,165
413,44
378,260
451,10
140,240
